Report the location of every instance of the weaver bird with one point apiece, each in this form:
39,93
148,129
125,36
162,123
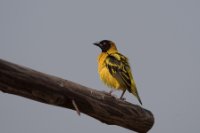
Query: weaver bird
114,69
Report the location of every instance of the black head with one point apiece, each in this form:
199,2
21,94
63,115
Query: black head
104,45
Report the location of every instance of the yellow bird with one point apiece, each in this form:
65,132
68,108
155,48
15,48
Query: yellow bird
114,69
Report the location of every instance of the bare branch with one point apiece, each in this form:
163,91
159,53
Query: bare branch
22,81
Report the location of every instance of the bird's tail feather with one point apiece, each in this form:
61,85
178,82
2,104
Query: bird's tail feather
138,97
135,92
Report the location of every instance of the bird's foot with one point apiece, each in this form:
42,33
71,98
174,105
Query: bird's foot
110,92
122,98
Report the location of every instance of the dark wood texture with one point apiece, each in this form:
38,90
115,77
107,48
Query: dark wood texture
22,81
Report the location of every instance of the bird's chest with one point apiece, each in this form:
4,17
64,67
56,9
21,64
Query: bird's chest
104,73
101,62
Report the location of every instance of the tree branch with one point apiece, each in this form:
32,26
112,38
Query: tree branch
22,81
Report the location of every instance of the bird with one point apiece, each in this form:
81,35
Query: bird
114,69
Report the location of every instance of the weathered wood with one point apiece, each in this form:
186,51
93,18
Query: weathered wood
22,81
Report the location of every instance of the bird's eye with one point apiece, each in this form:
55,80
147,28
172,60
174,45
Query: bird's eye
101,44
104,43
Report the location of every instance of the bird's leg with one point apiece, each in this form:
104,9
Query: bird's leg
121,97
110,92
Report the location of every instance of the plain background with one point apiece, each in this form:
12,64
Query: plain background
161,39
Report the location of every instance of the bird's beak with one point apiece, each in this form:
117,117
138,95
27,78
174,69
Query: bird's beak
96,43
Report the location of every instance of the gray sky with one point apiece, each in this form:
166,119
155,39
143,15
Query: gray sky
161,39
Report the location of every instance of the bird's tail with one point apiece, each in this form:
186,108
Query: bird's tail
135,93
138,97
134,88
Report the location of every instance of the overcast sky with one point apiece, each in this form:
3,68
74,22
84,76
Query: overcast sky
161,39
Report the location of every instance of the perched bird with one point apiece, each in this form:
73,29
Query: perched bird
114,69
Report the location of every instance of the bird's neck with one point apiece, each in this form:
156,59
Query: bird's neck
113,49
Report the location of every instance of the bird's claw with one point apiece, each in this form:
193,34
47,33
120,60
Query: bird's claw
122,98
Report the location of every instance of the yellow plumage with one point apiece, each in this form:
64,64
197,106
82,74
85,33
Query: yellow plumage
114,69
104,73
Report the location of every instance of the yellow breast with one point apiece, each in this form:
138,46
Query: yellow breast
104,73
